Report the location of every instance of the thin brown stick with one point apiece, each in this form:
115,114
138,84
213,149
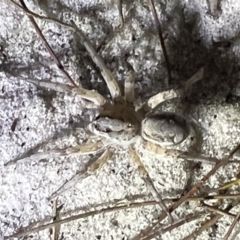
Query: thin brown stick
203,228
26,231
219,211
120,13
48,47
208,223
55,231
159,29
117,31
232,226
186,219
48,19
131,201
213,197
119,204
235,235
193,190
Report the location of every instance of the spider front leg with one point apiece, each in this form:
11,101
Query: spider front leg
145,176
106,73
34,155
100,129
90,95
88,171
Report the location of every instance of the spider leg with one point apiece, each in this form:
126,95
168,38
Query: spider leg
86,148
86,172
84,93
195,78
34,157
194,157
170,94
129,85
161,97
83,149
145,176
89,95
106,73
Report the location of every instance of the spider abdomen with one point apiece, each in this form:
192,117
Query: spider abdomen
164,129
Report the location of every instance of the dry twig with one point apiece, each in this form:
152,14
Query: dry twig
55,230
26,231
186,219
219,211
232,226
159,29
193,190
119,204
208,223
119,6
39,32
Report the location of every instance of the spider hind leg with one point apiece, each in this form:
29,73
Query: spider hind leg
145,176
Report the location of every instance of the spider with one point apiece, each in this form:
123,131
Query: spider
119,123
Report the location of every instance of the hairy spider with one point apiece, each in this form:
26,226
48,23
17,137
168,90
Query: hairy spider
120,123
